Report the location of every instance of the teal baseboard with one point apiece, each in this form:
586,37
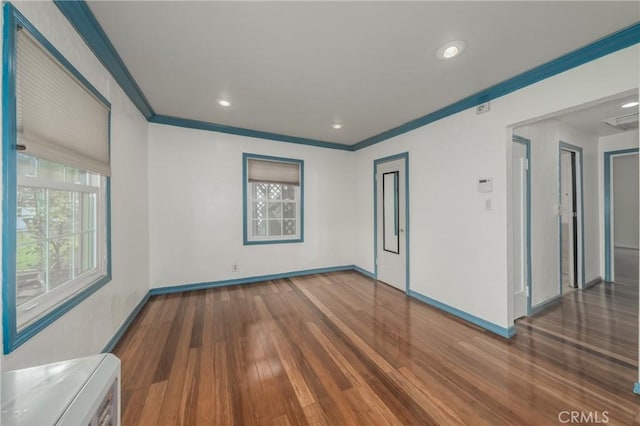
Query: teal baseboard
200,286
364,272
247,280
123,328
489,326
546,304
636,388
592,283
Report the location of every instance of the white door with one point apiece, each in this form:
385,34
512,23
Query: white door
390,230
567,218
519,220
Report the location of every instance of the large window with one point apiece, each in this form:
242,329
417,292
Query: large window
55,184
273,199
60,234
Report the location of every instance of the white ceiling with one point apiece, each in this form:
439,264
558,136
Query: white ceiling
589,119
294,68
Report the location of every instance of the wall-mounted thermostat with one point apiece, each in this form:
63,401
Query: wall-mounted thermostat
485,185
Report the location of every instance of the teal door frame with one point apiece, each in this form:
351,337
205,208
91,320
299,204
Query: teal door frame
527,144
563,146
608,240
402,156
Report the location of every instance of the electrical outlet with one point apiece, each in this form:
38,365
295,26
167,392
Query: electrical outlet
235,267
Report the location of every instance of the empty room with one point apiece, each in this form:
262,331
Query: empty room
331,213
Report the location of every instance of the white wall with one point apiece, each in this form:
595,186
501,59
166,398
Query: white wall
459,251
545,137
196,208
625,201
88,327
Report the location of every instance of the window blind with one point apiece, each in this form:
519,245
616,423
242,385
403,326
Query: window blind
58,118
273,172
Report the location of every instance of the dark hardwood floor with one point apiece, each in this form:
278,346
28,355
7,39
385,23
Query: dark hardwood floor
341,349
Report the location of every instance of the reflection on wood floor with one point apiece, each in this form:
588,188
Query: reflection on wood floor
626,265
340,349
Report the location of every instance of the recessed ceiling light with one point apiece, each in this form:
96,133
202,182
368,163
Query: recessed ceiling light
451,49
224,102
336,126
630,105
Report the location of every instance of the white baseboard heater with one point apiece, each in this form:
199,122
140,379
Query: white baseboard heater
82,391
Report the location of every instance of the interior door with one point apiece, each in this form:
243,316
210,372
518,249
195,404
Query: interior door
569,218
519,189
391,226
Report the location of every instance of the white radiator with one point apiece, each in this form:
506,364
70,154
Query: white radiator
82,391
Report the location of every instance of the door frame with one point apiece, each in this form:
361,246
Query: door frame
527,143
608,240
402,156
563,146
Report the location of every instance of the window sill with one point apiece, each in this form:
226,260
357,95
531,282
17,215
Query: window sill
286,241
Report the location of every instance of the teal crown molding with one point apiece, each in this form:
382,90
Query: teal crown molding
609,44
83,20
86,24
203,125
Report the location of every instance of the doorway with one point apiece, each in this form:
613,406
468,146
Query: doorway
391,203
571,218
521,208
621,216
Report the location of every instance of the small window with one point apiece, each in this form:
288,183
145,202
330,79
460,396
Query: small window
273,199
56,187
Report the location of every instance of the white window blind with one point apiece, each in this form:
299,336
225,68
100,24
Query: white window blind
58,119
274,172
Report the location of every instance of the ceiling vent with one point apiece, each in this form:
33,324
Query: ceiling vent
623,122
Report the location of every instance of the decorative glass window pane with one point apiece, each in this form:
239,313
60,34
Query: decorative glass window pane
289,227
288,192
260,228
289,210
275,227
259,210
275,210
275,191
259,191
272,209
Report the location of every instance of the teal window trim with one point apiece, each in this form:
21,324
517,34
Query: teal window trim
245,213
12,338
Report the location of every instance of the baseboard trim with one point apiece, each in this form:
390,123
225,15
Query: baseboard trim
364,272
247,280
199,286
636,388
546,304
507,333
125,326
592,282
627,247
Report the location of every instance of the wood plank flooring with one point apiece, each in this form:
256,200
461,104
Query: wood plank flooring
626,265
341,349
